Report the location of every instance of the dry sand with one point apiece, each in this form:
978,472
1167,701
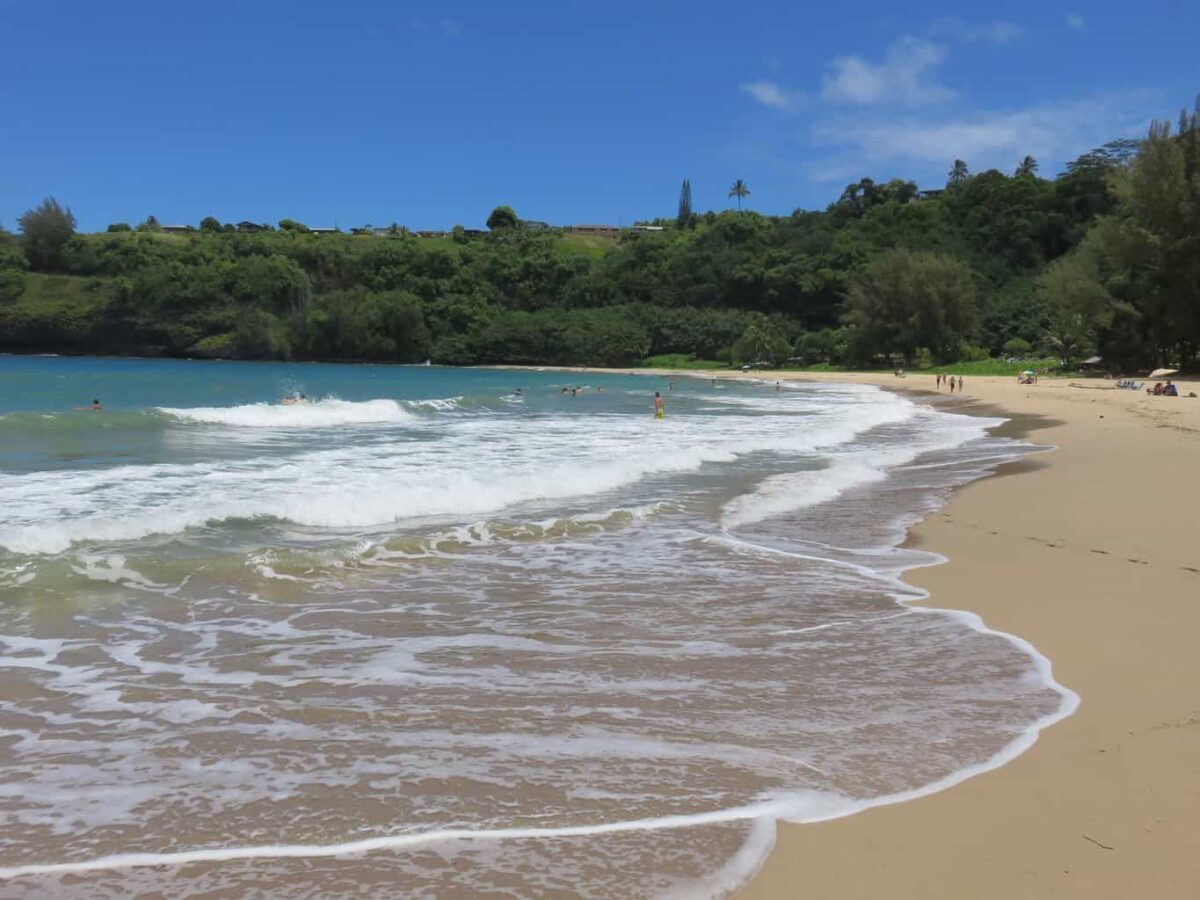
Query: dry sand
1092,553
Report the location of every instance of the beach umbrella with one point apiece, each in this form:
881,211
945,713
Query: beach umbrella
1162,373
1027,372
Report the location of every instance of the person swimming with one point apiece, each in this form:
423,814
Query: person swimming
293,399
95,407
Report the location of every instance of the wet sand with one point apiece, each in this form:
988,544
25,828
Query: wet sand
1091,552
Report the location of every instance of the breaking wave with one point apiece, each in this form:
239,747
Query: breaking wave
327,413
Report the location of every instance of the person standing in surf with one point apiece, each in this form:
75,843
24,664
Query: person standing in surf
660,408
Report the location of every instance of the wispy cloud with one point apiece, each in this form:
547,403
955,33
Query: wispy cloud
904,76
450,29
769,93
1075,20
995,32
1055,131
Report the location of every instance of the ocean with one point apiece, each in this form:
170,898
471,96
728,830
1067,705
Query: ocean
461,633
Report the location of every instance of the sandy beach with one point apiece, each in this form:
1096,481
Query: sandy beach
1089,551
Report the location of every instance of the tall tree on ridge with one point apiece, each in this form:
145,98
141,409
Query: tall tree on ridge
45,229
684,216
738,189
958,173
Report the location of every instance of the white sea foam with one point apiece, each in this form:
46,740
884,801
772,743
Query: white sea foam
849,469
327,413
443,404
479,465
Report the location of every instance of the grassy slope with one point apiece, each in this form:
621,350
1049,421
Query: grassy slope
997,367
46,293
587,244
682,361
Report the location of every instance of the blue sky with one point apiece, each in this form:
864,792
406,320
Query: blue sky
430,114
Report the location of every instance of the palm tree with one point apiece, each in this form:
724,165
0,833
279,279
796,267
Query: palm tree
739,190
1027,166
958,173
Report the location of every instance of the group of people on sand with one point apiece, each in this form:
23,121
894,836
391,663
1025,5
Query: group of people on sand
949,379
1163,390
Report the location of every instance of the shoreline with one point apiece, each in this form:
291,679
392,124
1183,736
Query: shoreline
1090,553
1028,556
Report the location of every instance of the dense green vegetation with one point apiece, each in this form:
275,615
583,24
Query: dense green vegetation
1104,258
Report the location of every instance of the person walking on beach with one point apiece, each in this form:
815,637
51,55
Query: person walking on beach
960,384
952,384
939,381
660,408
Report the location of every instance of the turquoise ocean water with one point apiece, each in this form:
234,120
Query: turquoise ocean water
443,632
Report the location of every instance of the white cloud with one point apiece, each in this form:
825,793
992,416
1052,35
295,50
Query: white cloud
904,76
996,32
1075,20
448,28
1053,131
768,93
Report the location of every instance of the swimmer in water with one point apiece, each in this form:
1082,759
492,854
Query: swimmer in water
95,407
660,408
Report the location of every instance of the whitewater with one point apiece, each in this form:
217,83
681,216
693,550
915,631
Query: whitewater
458,631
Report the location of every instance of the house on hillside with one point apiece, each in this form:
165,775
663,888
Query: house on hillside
595,230
534,225
176,229
324,231
930,194
646,229
252,226
433,234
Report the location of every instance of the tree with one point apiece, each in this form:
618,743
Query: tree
45,230
905,301
151,224
1067,334
275,283
764,340
684,216
738,189
1018,347
293,226
1027,167
210,225
959,173
12,284
1133,283
118,227
503,218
